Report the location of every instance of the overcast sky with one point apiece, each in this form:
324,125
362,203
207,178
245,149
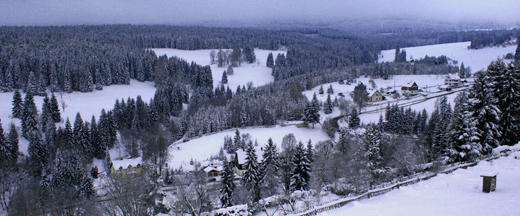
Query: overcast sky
66,12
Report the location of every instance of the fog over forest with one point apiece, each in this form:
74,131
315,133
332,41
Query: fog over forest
200,12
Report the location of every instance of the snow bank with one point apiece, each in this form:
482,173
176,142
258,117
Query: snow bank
456,193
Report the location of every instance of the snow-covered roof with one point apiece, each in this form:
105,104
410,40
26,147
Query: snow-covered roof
126,162
210,168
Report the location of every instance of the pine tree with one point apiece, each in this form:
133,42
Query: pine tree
252,175
301,169
17,109
463,136
53,78
270,168
40,87
29,116
230,71
353,121
373,153
311,115
270,61
310,152
55,109
321,90
224,78
32,84
228,186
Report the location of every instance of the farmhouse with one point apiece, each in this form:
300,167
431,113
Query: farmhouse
414,89
453,81
213,173
375,96
127,168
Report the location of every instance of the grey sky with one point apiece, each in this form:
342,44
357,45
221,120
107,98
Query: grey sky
64,12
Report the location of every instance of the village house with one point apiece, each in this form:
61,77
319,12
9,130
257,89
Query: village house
375,96
213,172
127,168
414,89
453,81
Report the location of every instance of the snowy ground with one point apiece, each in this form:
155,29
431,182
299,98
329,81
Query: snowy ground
475,59
257,73
427,83
87,104
204,147
456,193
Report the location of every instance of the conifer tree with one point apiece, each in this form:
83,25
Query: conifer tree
55,109
270,61
485,112
373,153
228,186
328,106
251,178
38,153
311,115
5,151
330,90
270,168
12,139
517,53
224,78
17,109
32,84
30,116
353,121
301,169
321,90
310,152
508,97
462,71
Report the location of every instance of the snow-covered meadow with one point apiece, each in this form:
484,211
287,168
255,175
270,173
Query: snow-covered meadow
475,59
257,72
456,193
87,104
200,149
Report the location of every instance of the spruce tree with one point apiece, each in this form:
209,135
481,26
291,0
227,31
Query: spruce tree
224,78
38,154
251,178
270,61
301,169
373,153
485,112
330,90
517,53
321,90
32,84
12,139
462,71
5,153
353,120
55,109
311,115
30,116
310,152
508,96
328,106
228,186
17,109
270,167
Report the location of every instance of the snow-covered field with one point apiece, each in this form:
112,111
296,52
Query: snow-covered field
475,59
456,193
87,104
204,147
259,74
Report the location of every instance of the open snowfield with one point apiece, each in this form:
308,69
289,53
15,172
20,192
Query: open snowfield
259,74
87,104
456,193
204,147
475,59
427,83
